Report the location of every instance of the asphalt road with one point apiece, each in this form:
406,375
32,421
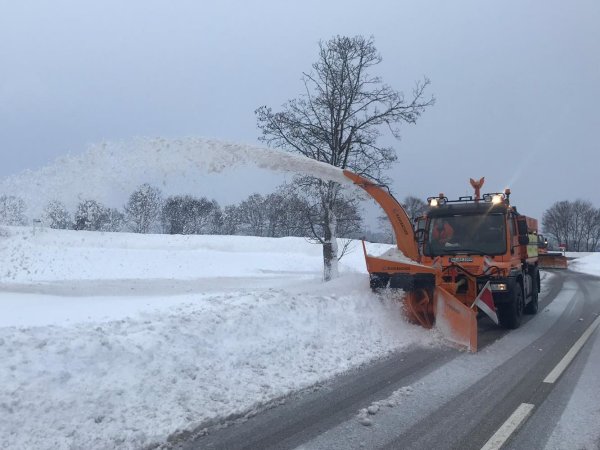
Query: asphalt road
437,397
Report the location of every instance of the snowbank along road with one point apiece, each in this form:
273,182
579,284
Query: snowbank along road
531,388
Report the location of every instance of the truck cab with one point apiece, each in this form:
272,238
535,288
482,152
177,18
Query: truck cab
477,241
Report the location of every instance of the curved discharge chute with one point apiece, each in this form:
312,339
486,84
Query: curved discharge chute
428,300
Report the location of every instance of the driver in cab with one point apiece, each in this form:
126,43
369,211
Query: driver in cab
442,232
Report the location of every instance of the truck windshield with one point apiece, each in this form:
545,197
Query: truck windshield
471,234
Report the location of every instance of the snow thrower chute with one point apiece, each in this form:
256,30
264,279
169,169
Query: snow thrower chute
425,303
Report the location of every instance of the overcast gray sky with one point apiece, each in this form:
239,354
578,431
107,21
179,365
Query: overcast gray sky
517,82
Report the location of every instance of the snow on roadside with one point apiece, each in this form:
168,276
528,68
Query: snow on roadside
588,263
128,377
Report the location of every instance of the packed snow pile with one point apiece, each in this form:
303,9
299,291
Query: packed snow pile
116,167
119,340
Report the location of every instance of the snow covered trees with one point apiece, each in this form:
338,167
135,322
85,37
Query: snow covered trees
94,216
338,120
190,215
143,209
56,216
12,210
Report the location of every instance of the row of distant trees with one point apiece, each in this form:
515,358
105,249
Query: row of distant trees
575,224
284,212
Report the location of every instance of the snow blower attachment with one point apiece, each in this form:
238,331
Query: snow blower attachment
466,256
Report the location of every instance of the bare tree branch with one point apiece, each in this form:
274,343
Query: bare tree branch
338,119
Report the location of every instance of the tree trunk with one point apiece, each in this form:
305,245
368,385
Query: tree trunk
330,248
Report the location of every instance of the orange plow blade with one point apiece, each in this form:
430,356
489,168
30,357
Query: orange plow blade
552,261
456,322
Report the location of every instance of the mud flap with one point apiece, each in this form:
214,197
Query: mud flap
456,321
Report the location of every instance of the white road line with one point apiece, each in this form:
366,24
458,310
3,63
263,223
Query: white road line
564,363
509,427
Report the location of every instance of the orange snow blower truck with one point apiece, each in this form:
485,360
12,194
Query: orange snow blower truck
464,256
551,259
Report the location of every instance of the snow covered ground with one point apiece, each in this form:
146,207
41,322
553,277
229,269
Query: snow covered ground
585,262
118,340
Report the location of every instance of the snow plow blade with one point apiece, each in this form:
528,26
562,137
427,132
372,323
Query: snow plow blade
552,261
456,321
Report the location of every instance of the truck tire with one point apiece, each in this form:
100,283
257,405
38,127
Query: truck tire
533,305
510,314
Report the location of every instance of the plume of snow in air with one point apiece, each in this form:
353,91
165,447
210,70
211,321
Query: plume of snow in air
117,167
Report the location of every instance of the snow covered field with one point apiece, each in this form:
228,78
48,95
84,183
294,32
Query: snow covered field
118,340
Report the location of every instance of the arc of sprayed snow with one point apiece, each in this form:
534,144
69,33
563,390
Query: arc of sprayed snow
267,158
123,165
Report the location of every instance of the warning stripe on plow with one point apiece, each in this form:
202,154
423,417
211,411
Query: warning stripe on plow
485,302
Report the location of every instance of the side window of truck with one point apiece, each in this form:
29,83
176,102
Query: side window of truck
513,231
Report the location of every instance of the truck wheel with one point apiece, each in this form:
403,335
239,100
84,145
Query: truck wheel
532,306
510,314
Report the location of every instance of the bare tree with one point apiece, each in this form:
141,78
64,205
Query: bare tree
575,224
338,119
190,215
593,233
204,216
143,208
286,213
173,215
414,207
252,216
555,221
230,219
